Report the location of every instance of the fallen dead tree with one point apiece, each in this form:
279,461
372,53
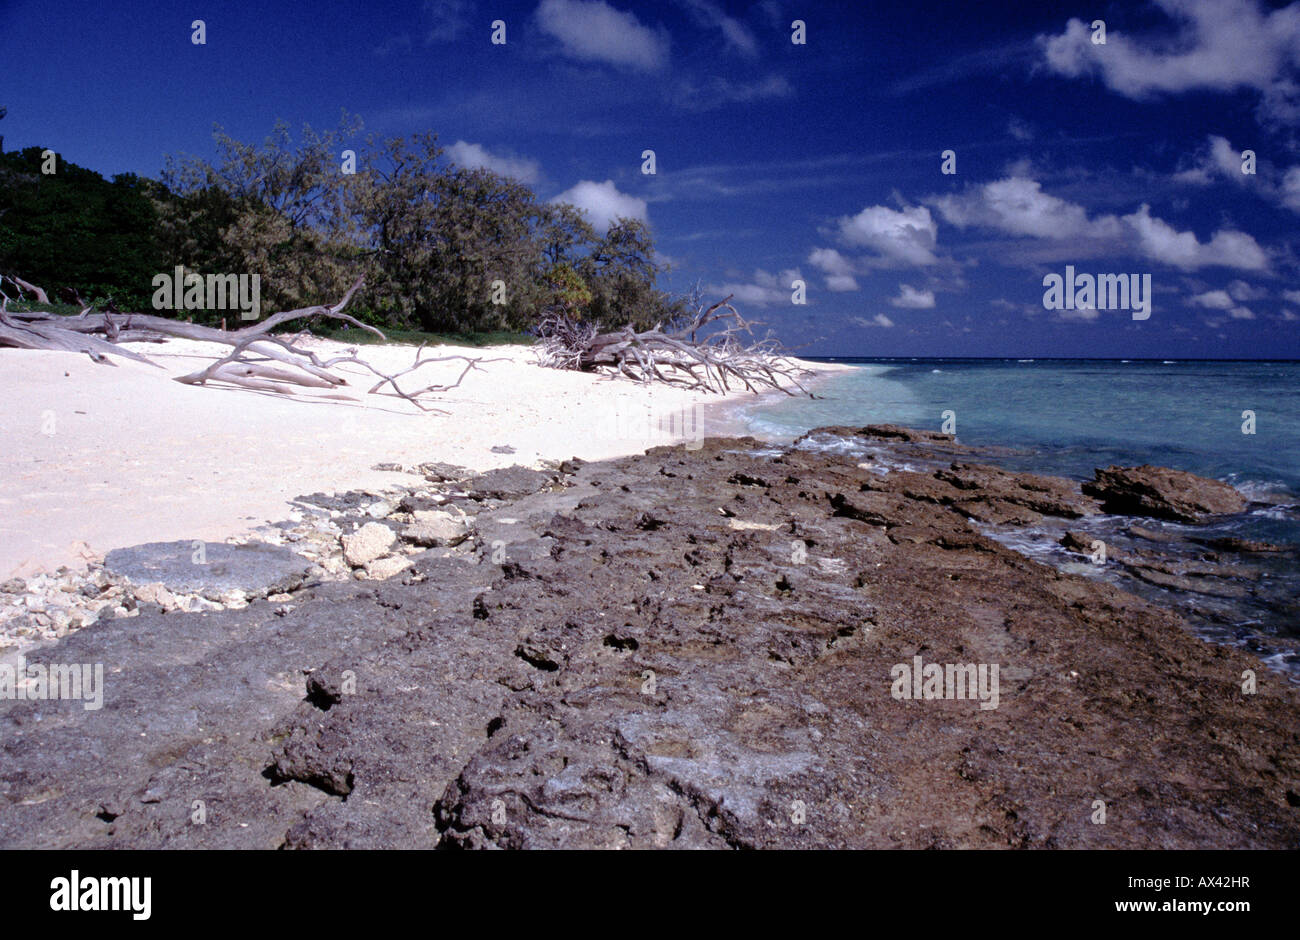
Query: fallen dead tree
713,352
257,359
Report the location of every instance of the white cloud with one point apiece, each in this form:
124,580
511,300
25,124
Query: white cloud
1292,295
766,289
603,203
912,299
1241,313
1290,316
908,236
471,156
1214,300
1223,161
1021,130
593,31
1020,207
878,320
1220,45
1162,242
1240,290
1290,192
736,34
837,268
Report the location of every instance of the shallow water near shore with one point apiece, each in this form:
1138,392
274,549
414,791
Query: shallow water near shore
1067,417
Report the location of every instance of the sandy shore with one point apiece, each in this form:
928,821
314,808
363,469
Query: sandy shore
101,457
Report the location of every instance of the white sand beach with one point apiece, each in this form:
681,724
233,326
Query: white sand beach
98,457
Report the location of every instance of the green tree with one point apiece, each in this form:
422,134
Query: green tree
74,228
274,209
621,271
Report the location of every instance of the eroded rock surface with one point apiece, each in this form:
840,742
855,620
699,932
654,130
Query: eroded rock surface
684,649
1162,493
210,568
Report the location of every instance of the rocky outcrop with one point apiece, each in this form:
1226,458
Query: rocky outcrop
1049,496
210,568
684,649
1162,493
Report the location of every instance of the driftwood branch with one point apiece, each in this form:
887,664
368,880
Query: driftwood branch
713,351
40,295
257,359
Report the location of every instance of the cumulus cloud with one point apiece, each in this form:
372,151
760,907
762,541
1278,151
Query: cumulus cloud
908,236
472,156
1214,300
1240,290
1292,295
1019,206
603,203
1221,160
765,290
913,299
1162,242
594,31
878,320
837,268
1219,45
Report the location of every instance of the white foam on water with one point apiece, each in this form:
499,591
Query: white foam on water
1257,489
1282,512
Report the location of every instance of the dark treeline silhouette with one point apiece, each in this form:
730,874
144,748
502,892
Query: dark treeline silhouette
443,248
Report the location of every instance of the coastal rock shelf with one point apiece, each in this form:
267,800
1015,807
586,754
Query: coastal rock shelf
690,648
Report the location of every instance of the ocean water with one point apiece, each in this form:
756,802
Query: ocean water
1067,417
1070,416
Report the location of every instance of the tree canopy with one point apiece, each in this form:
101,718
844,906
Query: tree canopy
443,248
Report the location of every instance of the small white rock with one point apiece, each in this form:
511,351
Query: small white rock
371,541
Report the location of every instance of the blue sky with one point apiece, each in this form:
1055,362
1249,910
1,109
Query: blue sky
775,161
